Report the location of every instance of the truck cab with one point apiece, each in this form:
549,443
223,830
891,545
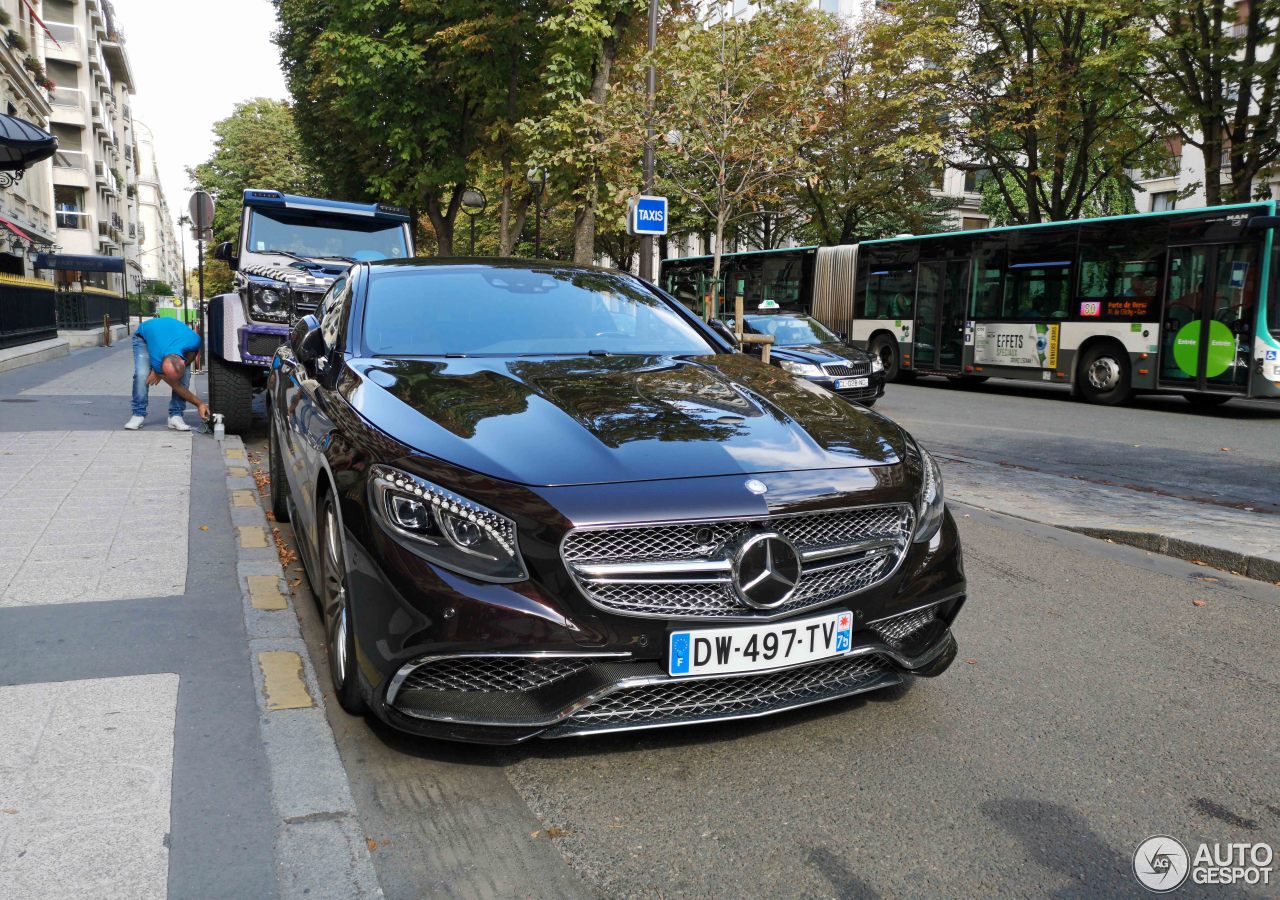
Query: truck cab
289,250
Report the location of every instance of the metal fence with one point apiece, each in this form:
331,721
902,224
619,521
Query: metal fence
77,311
27,313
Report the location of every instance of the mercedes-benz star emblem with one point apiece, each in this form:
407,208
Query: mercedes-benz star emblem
756,486
766,570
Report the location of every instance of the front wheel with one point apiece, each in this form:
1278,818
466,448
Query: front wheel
335,601
231,393
886,348
1103,376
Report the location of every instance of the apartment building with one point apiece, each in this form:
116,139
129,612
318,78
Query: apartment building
158,251
26,207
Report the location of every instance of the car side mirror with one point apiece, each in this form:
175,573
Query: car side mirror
724,331
223,251
307,341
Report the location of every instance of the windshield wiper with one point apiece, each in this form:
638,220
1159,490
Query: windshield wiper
343,258
301,259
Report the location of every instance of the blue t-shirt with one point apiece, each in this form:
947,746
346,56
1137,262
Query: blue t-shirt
167,337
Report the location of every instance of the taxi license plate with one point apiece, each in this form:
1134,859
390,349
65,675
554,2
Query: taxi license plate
844,384
720,651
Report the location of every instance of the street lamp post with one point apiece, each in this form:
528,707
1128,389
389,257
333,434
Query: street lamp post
537,179
473,203
651,90
182,244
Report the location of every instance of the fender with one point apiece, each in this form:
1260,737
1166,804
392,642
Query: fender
226,318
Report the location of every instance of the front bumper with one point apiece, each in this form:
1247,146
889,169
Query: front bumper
873,391
447,657
258,343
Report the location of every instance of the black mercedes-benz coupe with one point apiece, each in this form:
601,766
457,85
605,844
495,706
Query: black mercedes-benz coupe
539,499
804,346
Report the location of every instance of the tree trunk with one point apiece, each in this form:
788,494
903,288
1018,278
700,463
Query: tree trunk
584,218
713,308
442,218
1211,147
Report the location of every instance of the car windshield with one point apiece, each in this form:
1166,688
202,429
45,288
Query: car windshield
792,331
326,236
488,311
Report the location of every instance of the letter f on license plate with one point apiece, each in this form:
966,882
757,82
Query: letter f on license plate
751,648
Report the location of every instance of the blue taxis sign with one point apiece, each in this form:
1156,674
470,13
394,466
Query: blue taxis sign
648,216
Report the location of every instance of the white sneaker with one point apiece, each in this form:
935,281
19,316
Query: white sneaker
133,424
176,423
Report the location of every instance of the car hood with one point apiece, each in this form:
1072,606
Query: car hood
818,353
593,420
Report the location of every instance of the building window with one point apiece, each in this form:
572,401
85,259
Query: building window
970,223
68,203
1163,201
975,179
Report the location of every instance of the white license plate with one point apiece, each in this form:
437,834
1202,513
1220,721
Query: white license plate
844,384
749,648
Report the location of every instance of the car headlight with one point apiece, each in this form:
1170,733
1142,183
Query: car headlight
447,528
929,505
269,302
804,370
877,364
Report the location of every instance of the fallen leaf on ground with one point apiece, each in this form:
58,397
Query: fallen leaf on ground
294,582
1197,603
373,845
204,527
1225,449
972,662
1198,562
9,812
555,831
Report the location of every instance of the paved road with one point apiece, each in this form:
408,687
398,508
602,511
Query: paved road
1157,442
1095,704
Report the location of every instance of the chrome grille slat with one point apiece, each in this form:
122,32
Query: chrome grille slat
680,547
852,367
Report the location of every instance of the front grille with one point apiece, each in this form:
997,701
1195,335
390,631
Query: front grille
306,302
491,673
852,367
667,592
262,344
677,701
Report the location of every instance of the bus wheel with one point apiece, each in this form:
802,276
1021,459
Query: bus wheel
886,348
1103,376
1204,401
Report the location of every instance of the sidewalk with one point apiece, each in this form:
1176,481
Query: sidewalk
142,631
1235,540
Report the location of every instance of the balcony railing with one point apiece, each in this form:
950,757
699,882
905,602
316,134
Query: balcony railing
65,35
68,97
70,218
70,159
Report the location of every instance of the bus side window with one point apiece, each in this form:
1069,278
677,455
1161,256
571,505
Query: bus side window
890,292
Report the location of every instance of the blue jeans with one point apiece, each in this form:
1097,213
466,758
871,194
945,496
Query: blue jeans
141,369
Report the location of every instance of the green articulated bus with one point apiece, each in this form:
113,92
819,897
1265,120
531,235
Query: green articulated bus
1182,301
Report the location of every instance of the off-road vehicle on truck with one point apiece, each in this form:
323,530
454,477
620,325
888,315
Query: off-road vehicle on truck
289,250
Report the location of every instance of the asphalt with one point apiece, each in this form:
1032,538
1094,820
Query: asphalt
1103,694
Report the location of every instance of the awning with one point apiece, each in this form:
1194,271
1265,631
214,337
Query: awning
9,226
80,263
22,144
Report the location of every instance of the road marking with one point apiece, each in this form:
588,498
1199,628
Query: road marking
282,680
253,536
264,592
243,498
88,767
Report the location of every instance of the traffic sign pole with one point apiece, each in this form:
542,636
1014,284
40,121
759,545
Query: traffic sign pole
201,208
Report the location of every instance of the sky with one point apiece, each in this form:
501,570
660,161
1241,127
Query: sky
193,62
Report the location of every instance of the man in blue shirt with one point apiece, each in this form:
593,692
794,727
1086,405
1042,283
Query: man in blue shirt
162,350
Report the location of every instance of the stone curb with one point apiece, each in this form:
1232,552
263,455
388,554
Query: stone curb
1261,568
321,848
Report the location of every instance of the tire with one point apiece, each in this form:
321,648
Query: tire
886,348
231,393
1207,401
339,635
1103,375
275,471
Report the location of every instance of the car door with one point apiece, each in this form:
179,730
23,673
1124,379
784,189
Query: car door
307,421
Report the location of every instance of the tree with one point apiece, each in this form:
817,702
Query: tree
1211,80
873,163
257,146
579,139
1041,92
736,98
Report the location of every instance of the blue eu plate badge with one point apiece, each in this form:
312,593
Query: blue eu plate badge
680,654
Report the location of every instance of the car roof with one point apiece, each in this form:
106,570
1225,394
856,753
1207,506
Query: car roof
486,262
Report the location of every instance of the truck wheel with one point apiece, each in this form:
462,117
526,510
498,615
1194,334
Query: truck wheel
231,393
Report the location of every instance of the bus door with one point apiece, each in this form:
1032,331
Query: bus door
1210,307
942,294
